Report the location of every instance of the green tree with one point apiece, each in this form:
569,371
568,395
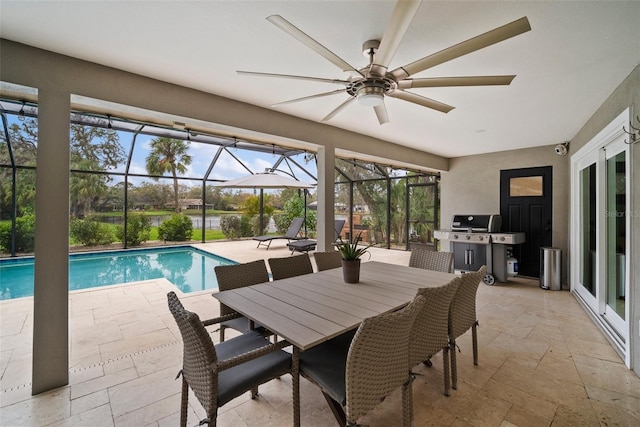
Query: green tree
169,155
93,148
24,142
96,144
294,207
84,188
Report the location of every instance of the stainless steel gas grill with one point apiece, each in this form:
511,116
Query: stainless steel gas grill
476,240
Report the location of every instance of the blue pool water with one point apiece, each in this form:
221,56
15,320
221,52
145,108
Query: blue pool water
188,268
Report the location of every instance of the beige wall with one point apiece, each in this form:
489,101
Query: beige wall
472,185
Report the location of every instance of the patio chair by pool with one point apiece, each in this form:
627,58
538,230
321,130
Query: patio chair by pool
291,234
327,260
355,378
462,316
237,276
222,372
283,268
430,333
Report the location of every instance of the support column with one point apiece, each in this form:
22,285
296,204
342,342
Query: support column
51,284
326,158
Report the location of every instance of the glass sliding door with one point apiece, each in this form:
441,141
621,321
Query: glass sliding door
588,229
616,235
600,230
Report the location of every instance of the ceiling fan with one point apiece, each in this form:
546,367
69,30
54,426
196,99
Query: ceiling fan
370,84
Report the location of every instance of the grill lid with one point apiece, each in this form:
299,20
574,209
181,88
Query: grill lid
476,223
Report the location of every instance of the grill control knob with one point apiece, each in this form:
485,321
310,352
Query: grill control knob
455,236
480,238
468,237
502,238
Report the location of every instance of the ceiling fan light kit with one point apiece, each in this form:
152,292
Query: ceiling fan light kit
371,96
372,83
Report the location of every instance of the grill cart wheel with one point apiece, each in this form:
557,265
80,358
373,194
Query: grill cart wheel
488,279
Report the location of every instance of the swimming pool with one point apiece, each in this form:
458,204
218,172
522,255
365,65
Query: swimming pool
186,267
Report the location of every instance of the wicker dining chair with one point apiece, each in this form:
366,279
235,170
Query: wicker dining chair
356,375
430,333
462,316
219,373
431,260
237,276
327,260
282,268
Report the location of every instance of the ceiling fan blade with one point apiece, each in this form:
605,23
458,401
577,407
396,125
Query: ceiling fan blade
338,109
381,113
289,76
402,16
476,43
311,43
421,100
305,98
456,81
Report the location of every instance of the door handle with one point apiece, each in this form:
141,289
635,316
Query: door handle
471,257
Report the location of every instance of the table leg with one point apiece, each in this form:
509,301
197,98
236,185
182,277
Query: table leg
295,385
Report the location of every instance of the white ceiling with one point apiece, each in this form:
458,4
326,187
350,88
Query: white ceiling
576,54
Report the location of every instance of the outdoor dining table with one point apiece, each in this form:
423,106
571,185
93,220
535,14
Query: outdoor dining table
310,309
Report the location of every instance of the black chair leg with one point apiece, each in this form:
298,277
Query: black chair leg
336,409
185,403
454,366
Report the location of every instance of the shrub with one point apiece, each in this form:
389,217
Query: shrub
282,222
177,228
138,229
231,226
246,227
25,234
90,232
294,207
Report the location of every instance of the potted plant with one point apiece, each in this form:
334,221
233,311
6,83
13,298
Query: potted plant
351,253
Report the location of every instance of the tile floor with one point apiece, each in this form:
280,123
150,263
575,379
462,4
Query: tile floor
542,362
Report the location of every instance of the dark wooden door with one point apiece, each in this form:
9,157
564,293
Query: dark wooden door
526,206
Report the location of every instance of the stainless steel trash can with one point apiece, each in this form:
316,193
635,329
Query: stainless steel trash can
551,269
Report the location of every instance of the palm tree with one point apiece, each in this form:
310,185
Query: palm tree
169,155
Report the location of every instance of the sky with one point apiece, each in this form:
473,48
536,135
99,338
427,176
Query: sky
202,154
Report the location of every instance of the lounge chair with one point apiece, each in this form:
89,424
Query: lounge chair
306,245
291,234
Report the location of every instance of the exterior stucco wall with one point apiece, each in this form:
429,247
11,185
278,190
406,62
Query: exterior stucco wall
472,185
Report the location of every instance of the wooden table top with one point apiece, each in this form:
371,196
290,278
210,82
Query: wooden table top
307,310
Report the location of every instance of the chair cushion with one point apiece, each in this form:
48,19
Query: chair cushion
237,380
241,324
302,245
325,364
